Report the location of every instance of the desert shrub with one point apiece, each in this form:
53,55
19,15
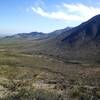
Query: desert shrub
84,97
74,93
82,93
31,94
45,95
22,94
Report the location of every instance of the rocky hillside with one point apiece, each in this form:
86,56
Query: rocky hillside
82,42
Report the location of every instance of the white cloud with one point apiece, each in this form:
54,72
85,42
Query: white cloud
71,12
85,11
55,15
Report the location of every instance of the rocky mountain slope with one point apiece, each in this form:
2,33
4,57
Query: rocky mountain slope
82,42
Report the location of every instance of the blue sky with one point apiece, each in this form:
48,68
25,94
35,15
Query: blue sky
18,16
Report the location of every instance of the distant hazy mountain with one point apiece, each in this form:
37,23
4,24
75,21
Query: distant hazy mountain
36,35
32,35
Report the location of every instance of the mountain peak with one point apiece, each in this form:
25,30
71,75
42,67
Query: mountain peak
82,41
97,17
84,33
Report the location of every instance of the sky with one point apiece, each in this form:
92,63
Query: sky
18,16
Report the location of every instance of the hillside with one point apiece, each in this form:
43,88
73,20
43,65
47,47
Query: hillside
82,42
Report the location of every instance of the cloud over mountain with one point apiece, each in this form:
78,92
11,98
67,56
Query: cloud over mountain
69,12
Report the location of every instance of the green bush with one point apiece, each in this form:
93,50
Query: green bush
74,93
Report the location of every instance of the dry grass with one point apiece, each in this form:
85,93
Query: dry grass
19,71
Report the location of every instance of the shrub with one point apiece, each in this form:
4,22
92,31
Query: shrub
31,94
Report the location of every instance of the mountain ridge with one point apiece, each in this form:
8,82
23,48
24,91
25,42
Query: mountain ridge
82,42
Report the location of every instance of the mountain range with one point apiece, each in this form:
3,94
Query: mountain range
36,35
80,42
31,35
